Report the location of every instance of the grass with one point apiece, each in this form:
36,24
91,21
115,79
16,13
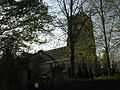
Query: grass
107,78
94,78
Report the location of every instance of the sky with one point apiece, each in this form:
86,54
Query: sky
59,39
56,41
17,0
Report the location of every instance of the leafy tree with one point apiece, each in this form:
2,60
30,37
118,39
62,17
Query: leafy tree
21,23
75,24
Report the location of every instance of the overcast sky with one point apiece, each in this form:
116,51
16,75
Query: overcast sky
59,38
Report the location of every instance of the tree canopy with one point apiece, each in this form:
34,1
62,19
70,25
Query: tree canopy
22,22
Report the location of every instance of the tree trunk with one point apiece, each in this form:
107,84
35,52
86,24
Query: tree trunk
105,38
72,58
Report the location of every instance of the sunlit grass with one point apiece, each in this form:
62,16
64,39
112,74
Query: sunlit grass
107,78
94,78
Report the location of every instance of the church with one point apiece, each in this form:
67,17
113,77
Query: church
55,64
85,50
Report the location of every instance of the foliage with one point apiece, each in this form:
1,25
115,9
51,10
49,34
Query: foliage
21,23
76,22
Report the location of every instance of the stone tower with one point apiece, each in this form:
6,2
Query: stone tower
85,49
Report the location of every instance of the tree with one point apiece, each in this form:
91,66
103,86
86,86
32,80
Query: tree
21,23
71,10
106,16
105,37
2,1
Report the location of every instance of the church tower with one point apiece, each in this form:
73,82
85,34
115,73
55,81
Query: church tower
85,49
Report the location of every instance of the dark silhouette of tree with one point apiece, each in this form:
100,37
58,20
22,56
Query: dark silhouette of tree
20,23
71,9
